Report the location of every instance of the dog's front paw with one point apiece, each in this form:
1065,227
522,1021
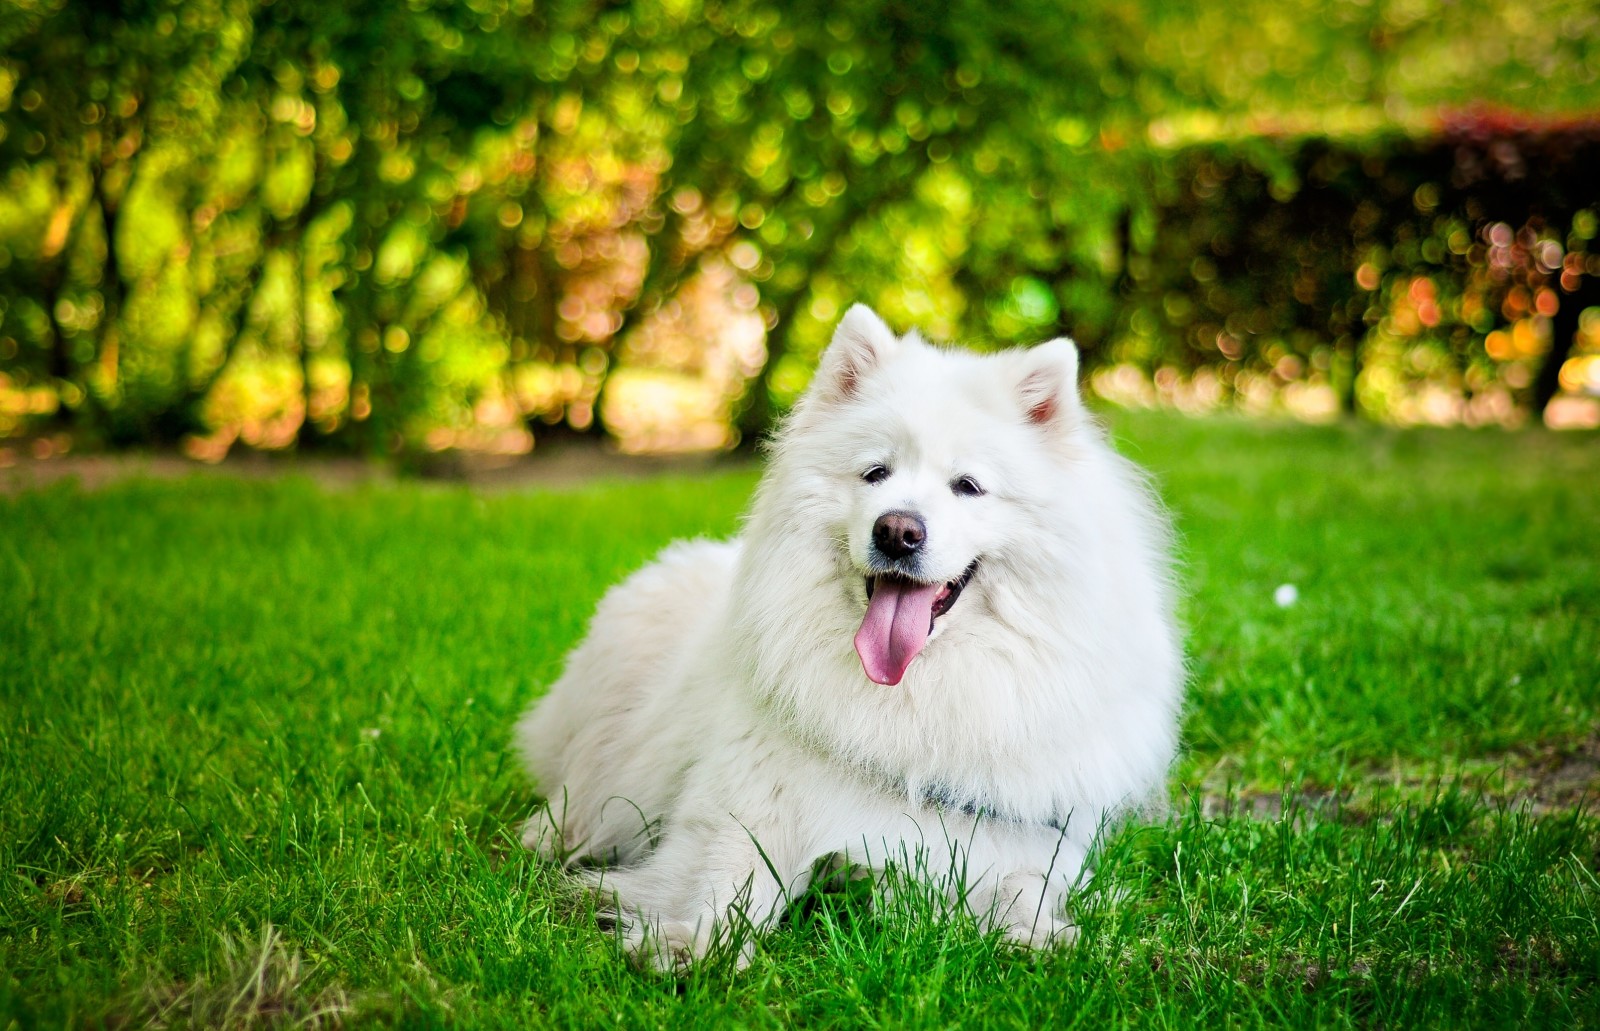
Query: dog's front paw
1032,912
1047,932
668,946
673,946
655,941
541,834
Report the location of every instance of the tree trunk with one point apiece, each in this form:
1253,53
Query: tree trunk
306,433
1349,402
61,363
110,288
52,280
1563,331
756,416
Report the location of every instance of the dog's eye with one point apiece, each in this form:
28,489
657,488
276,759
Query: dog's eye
877,474
967,487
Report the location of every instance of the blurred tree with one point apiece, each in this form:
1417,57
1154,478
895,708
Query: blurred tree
379,226
821,127
102,101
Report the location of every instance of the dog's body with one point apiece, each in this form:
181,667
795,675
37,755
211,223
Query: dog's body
1014,682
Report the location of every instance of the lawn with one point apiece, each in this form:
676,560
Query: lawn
254,767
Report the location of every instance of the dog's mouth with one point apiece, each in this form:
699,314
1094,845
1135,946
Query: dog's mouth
899,620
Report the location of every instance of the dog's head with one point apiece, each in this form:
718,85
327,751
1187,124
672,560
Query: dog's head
933,472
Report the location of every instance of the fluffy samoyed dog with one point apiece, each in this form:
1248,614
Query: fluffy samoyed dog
944,638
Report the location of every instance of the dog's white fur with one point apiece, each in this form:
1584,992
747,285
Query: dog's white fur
715,735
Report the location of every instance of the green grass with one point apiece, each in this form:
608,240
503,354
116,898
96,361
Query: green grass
253,759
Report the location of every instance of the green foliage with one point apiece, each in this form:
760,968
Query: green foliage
371,224
256,758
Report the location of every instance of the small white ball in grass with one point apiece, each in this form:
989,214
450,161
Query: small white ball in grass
1286,595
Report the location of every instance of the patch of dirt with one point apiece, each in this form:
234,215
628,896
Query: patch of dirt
557,466
64,892
1564,778
1545,779
1272,806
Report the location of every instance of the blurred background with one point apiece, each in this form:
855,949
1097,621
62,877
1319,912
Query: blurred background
417,226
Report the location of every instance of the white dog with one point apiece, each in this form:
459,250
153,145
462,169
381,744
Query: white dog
944,635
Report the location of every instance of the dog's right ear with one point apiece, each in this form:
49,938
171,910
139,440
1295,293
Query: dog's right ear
1048,382
860,344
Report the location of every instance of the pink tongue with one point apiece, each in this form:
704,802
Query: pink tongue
899,616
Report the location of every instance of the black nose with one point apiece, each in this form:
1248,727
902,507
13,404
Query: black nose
898,534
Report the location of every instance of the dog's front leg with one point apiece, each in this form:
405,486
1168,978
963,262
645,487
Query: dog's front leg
710,887
1015,877
1010,877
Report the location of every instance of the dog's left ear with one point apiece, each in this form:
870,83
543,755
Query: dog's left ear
862,342
1048,382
